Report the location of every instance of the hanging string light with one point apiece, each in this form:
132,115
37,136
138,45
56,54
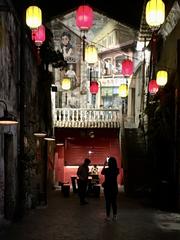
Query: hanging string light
162,78
33,17
155,13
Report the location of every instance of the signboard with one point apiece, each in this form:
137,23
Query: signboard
112,82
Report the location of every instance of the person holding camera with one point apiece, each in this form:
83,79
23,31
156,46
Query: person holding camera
110,172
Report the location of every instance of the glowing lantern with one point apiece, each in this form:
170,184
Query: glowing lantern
127,67
91,56
84,21
161,78
153,87
66,83
39,35
123,90
84,17
94,87
33,17
155,13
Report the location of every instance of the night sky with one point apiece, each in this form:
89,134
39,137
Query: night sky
127,12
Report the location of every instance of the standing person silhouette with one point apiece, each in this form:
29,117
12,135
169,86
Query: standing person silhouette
110,172
83,173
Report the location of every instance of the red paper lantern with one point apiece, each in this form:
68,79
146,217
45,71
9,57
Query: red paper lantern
84,17
39,35
127,67
153,87
94,87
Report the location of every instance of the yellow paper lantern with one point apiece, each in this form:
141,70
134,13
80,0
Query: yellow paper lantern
155,13
123,90
161,78
33,17
66,83
91,56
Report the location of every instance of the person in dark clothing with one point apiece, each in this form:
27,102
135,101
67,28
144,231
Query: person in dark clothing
82,173
110,172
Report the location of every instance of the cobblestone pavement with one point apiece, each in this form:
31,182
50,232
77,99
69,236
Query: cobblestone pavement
65,219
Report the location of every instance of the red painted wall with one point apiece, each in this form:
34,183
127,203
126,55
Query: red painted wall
59,163
77,146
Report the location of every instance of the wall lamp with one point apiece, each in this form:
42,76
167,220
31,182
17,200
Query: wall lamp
40,134
49,138
8,118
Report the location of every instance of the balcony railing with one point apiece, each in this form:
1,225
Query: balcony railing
86,118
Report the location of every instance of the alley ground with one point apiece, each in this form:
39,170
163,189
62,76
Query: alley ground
65,219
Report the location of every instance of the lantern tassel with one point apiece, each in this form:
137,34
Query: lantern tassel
38,56
90,75
84,38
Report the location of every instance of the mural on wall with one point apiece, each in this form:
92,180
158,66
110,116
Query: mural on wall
83,87
118,64
106,36
100,21
69,47
69,44
111,65
107,66
70,73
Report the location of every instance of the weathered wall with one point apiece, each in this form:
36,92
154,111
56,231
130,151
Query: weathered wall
165,161
9,72
19,88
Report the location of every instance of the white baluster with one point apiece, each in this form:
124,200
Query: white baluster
63,115
81,115
72,115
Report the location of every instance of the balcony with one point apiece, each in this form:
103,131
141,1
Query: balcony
86,118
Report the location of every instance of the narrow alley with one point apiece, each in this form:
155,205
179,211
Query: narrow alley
65,219
89,101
